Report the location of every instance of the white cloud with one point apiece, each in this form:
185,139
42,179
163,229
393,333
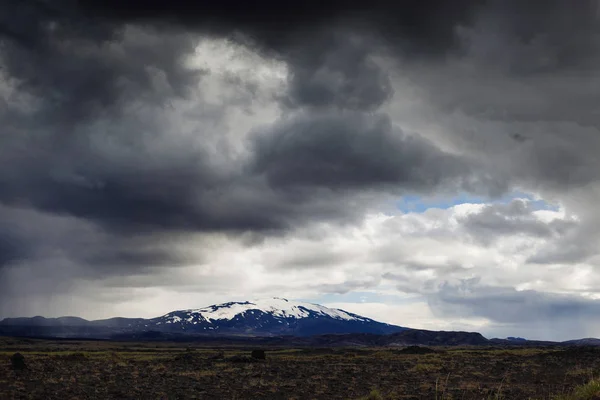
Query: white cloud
410,253
416,315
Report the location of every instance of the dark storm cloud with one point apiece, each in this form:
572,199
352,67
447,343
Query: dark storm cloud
16,241
524,70
89,152
422,24
53,255
82,68
30,236
73,53
328,45
350,151
120,186
11,248
528,38
339,72
80,75
80,146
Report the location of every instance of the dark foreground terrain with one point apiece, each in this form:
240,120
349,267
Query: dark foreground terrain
110,370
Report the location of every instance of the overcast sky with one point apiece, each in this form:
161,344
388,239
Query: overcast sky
432,164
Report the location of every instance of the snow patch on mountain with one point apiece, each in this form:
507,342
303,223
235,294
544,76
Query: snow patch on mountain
277,307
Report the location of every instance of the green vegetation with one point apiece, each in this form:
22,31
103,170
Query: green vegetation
589,391
374,395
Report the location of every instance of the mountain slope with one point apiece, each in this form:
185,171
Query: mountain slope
266,317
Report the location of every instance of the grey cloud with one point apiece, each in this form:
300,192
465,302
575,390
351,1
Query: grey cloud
31,236
563,254
132,188
424,26
146,257
91,142
518,73
312,258
12,248
446,268
54,255
507,305
348,286
81,68
345,151
99,146
408,282
577,246
524,38
329,47
340,71
516,217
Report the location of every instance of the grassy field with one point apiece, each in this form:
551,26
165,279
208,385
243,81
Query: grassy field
108,370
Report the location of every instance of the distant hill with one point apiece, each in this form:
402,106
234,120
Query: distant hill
407,337
583,342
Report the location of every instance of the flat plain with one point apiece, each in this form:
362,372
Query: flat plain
70,369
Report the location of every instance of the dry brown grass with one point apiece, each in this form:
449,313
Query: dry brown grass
105,370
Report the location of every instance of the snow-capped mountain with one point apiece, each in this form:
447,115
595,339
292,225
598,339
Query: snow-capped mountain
265,317
273,316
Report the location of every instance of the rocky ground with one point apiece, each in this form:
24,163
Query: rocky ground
108,370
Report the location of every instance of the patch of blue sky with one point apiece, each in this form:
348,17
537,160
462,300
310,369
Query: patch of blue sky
419,204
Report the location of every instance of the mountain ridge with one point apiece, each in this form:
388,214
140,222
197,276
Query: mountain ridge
272,321
263,317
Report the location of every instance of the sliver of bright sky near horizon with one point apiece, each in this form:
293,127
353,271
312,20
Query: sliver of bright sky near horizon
429,164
